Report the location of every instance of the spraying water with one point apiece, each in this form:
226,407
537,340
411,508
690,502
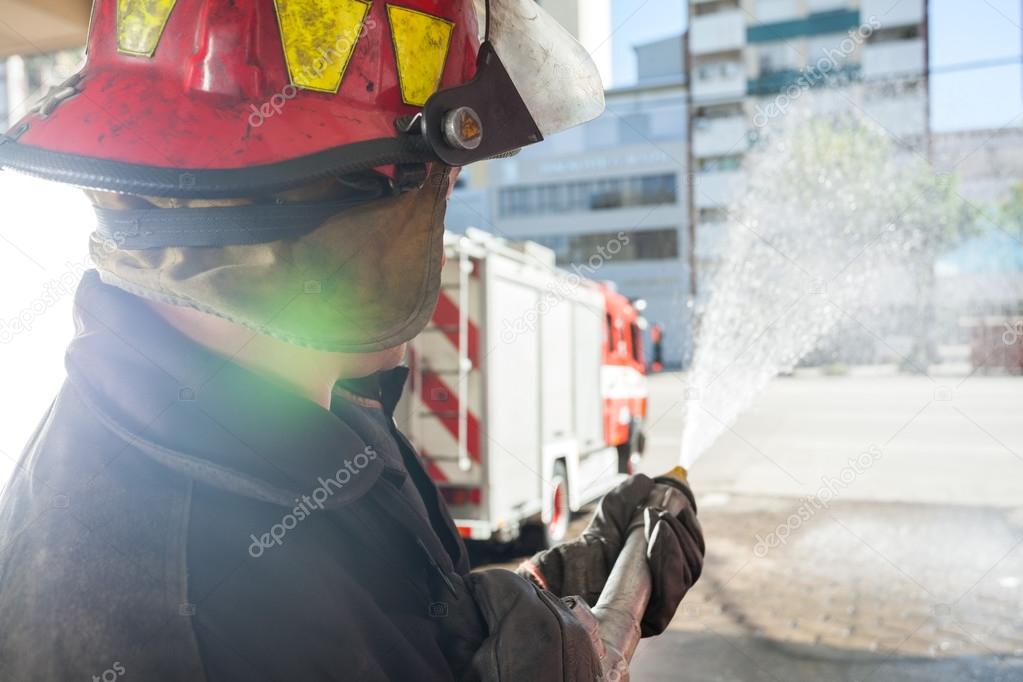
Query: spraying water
831,213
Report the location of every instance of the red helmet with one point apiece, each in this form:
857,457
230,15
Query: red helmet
217,98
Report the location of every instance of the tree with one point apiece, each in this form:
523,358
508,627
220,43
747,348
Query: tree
938,219
1010,214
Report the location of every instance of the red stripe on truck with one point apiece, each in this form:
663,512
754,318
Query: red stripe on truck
443,402
436,473
445,316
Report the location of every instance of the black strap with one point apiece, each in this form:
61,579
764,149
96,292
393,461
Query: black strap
156,228
130,178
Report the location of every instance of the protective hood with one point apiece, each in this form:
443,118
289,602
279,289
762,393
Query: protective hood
367,279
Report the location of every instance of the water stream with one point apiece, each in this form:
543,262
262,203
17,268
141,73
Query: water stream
832,213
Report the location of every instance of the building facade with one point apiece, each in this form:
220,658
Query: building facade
608,197
752,60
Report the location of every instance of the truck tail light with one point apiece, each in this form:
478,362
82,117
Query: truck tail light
458,497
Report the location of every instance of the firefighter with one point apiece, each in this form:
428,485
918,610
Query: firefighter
657,341
218,491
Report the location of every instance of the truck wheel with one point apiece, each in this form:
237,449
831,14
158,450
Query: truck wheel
536,536
561,513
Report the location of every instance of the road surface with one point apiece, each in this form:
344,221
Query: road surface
858,528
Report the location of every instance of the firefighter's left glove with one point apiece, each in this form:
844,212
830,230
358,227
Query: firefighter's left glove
675,553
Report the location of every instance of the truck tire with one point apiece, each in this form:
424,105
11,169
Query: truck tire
561,512
536,536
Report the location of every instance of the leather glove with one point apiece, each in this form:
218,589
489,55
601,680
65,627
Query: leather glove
675,552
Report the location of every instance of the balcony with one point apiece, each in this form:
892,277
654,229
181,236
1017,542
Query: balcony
816,23
718,81
719,136
892,14
718,189
893,58
821,6
770,11
778,81
717,32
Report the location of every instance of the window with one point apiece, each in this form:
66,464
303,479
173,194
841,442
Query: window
717,69
656,189
607,194
713,215
885,35
719,111
588,195
775,57
714,6
609,247
655,244
716,164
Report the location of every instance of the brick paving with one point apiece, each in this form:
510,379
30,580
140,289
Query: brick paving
860,591
885,578
895,579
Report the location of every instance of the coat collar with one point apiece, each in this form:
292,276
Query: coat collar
164,389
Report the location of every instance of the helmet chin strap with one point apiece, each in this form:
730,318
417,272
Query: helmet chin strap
246,223
157,228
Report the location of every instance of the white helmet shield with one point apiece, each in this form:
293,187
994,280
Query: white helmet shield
533,79
555,75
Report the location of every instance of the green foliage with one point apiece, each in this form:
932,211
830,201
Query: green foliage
1010,214
940,217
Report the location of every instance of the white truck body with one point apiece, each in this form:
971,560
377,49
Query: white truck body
505,383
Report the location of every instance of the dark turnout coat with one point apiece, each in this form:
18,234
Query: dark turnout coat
176,517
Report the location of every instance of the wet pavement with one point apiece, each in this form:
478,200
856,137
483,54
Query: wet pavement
854,591
858,528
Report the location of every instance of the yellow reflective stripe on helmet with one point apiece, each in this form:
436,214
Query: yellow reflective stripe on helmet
140,24
319,38
420,49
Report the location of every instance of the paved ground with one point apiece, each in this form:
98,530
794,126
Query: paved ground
945,440
858,591
905,563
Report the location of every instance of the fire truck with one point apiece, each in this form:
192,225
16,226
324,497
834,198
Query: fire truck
527,394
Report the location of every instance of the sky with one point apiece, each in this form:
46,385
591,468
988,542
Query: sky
963,31
635,22
971,31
